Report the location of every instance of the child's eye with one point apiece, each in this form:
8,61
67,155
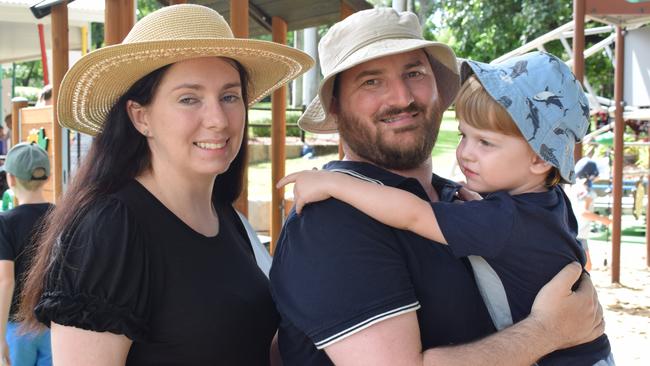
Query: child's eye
485,142
462,135
414,74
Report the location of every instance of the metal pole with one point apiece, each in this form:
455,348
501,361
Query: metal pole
617,188
647,217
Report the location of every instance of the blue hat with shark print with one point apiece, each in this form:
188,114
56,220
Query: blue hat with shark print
544,99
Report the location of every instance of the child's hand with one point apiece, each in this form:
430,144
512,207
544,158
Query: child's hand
468,195
309,186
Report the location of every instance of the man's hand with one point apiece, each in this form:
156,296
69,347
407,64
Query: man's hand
569,317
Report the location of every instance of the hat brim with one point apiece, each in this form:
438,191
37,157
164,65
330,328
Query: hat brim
317,119
94,84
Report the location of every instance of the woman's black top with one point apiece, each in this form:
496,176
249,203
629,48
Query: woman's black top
130,266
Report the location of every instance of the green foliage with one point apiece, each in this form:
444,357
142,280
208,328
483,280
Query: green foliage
28,73
265,131
485,30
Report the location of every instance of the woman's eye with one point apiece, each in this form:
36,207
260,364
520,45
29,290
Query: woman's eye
188,100
231,98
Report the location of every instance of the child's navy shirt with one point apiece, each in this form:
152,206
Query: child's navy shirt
527,239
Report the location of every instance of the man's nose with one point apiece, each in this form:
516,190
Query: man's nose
400,94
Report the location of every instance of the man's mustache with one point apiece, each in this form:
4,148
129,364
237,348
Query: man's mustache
390,112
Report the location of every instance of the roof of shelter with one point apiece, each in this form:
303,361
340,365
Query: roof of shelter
628,13
298,14
19,33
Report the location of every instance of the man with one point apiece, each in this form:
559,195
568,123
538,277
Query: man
352,291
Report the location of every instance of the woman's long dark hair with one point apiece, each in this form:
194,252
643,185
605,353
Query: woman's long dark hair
118,154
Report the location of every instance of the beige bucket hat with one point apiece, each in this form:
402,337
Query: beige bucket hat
174,33
368,35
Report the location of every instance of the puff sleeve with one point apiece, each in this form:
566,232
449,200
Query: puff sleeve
100,277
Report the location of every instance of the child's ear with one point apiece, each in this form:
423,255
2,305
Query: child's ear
11,181
539,166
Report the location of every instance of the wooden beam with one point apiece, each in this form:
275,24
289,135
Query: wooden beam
239,18
279,126
647,218
60,52
346,11
239,23
620,7
619,126
119,17
578,54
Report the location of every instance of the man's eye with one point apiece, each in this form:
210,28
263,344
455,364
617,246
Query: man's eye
370,82
414,74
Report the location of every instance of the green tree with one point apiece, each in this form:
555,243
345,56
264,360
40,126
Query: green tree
485,30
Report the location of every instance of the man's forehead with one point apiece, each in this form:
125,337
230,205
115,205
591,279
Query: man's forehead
402,60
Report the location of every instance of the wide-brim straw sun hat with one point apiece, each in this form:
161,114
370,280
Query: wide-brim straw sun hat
368,35
171,34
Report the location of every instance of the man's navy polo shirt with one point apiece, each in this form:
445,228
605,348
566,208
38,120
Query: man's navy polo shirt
337,271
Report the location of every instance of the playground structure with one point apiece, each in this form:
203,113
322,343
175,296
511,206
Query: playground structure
623,21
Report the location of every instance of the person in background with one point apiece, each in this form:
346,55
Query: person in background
28,169
582,198
145,261
45,97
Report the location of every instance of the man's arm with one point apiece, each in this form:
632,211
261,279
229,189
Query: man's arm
560,318
6,295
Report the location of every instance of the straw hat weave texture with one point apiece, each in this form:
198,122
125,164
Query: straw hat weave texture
172,34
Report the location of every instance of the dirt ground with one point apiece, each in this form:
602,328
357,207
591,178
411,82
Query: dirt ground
626,305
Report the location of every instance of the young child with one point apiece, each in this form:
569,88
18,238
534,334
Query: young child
28,168
519,121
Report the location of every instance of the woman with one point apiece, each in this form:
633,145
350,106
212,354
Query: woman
144,260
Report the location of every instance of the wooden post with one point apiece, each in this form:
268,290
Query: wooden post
578,53
60,51
346,11
619,126
647,218
279,126
17,104
118,20
239,24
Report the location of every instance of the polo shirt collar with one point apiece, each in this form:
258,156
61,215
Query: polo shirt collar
446,189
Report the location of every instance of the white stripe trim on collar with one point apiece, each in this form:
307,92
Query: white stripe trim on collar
357,175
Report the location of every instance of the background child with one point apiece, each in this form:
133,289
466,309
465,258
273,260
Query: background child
519,122
28,168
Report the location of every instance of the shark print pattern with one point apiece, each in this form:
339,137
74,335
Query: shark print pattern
547,154
533,115
505,101
550,98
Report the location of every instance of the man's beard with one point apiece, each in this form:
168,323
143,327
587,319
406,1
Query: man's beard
372,146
